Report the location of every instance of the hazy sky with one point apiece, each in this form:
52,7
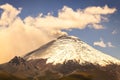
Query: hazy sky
28,24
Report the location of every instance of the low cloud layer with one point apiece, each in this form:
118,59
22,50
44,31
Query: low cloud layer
18,36
102,44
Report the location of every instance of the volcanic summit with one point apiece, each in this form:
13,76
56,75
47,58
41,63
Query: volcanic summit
66,48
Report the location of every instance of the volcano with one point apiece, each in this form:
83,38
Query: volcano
65,58
70,48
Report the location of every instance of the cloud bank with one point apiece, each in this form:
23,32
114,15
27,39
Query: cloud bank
19,36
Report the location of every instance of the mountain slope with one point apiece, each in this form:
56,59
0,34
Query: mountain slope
67,48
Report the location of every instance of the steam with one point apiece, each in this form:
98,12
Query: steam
18,36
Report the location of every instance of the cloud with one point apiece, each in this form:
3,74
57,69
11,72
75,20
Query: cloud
100,10
20,36
9,14
100,43
68,18
16,38
110,44
114,32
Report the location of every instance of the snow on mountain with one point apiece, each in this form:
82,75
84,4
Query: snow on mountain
67,48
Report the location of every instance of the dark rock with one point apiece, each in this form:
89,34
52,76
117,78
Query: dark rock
17,60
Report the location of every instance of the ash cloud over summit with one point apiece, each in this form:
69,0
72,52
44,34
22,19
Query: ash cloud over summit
19,36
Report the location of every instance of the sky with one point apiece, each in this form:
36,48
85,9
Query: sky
25,25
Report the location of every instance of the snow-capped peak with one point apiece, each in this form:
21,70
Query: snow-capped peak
67,48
